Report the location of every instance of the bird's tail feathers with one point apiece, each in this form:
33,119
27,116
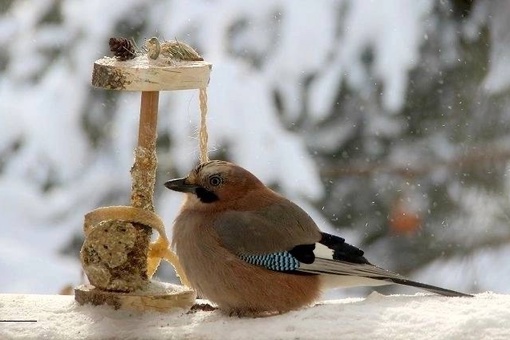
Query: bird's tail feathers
430,288
369,271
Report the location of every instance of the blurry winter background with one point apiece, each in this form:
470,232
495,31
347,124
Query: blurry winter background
388,121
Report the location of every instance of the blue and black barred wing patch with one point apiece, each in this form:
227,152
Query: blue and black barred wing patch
281,261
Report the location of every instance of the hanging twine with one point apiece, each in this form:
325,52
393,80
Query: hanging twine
203,135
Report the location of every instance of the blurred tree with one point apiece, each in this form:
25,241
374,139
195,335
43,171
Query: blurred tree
401,105
410,193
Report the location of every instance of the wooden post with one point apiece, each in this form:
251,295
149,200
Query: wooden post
147,132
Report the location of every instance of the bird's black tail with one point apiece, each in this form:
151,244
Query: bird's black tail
430,288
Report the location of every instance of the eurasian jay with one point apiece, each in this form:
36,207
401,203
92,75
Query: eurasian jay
252,251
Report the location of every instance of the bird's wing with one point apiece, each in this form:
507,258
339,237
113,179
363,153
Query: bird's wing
278,227
282,237
333,256
330,255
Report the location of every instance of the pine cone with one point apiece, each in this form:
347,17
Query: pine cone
123,49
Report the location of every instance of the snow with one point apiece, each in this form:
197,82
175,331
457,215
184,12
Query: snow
419,316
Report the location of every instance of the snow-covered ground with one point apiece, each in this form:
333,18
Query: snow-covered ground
419,316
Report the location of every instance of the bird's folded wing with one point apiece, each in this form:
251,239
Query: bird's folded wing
337,259
286,261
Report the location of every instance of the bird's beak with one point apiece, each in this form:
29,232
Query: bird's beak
181,185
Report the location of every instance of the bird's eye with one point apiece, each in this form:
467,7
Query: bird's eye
215,180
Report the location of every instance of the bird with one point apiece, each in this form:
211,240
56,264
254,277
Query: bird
253,252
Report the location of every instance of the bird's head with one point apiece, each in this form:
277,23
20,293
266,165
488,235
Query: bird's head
216,181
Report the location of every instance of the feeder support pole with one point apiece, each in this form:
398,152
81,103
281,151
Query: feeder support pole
144,169
147,132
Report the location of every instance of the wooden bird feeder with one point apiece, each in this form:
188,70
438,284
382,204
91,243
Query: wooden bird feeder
117,255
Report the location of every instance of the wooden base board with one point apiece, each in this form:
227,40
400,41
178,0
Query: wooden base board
158,296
